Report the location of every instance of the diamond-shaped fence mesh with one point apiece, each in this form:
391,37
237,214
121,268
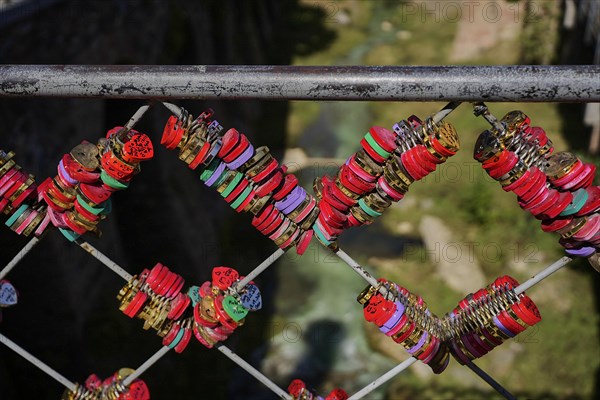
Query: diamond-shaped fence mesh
251,180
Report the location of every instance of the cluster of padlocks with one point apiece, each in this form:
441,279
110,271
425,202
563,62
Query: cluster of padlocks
111,388
481,322
556,188
17,190
78,197
210,312
299,391
380,173
249,180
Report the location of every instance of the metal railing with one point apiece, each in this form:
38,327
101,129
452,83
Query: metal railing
526,83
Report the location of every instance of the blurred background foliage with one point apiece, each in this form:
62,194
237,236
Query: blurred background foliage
502,238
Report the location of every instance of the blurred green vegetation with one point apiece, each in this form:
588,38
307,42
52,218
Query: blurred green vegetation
541,27
559,358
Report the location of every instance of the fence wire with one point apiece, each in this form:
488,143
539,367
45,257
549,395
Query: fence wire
293,83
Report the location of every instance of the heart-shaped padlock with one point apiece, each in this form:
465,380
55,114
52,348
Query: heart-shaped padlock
251,298
224,277
8,294
234,309
138,148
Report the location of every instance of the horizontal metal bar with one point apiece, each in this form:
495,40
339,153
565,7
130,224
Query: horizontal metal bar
522,83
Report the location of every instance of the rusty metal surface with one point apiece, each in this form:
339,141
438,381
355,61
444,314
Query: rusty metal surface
579,83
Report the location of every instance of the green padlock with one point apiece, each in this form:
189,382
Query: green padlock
234,308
